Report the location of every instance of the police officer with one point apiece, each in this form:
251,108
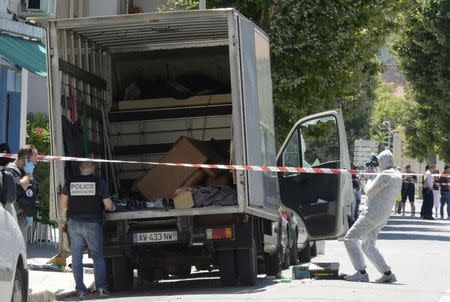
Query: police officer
85,197
27,188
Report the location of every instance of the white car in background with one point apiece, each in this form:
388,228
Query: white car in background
13,261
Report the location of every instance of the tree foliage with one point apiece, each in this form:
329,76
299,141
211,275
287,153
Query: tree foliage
423,47
179,5
39,136
392,107
323,54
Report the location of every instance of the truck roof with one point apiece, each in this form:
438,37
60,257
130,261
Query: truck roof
151,31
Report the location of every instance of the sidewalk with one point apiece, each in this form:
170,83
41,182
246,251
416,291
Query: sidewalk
46,286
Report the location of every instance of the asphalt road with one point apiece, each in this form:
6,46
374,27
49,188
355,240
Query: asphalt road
417,250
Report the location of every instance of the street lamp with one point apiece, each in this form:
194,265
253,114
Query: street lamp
388,126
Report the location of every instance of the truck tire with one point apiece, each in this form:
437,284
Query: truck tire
294,252
305,254
286,258
227,267
247,260
273,263
314,250
122,273
19,292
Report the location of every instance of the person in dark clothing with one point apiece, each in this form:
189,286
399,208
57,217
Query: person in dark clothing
357,192
444,184
426,211
84,198
409,190
27,188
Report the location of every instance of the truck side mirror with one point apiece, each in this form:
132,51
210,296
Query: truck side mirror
7,188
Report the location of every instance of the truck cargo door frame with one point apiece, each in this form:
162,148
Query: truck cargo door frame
258,124
319,199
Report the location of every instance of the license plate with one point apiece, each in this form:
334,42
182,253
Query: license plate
155,237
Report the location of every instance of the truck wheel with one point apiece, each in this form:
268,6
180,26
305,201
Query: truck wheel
286,258
294,252
19,292
273,263
305,253
122,273
314,250
248,264
227,267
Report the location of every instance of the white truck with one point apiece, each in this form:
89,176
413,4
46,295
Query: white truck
124,74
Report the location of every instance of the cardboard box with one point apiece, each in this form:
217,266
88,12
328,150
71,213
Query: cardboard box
197,179
162,181
184,200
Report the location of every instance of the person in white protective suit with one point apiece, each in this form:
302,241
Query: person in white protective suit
381,194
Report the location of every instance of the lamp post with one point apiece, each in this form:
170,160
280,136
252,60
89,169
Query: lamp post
388,126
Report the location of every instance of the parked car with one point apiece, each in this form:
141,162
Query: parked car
13,261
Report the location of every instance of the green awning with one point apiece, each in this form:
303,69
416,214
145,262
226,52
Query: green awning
28,54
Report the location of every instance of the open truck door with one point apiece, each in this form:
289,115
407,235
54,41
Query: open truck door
317,141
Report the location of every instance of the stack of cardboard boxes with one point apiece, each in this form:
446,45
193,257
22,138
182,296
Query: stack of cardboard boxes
163,181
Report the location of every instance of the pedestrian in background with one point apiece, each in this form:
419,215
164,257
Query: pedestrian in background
426,211
444,184
381,193
27,188
357,193
85,197
409,190
436,195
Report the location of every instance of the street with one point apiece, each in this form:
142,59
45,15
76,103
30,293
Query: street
414,248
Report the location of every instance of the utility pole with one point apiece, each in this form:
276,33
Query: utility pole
202,4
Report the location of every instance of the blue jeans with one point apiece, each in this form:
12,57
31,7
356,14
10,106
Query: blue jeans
445,200
92,233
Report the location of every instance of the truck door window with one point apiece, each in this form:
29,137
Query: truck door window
320,143
291,154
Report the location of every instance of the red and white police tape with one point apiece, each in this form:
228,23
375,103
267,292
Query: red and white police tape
299,170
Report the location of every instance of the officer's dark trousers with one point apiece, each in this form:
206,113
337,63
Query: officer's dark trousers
427,205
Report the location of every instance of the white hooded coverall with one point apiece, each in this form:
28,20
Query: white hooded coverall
381,194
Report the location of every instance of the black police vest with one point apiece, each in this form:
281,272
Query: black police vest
85,200
26,199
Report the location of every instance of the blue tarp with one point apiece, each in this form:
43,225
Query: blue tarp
28,54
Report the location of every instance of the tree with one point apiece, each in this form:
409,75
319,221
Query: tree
179,5
423,48
323,55
390,106
39,136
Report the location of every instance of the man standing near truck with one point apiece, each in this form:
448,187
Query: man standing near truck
85,197
27,188
381,194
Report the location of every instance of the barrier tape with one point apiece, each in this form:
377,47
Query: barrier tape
299,170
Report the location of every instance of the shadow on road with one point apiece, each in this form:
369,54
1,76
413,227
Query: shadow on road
200,284
407,228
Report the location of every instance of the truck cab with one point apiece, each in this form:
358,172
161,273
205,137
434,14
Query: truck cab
316,202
